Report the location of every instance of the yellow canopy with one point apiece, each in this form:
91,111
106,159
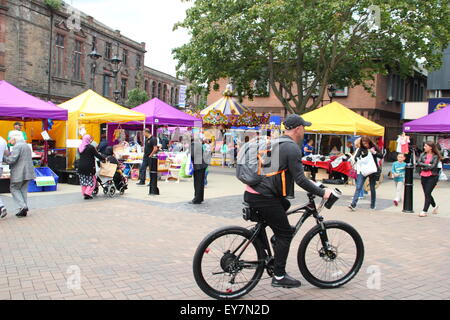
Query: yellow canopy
90,110
92,107
338,119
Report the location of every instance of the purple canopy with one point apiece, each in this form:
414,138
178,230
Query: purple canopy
436,122
14,103
160,113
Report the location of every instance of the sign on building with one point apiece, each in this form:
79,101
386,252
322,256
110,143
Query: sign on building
182,97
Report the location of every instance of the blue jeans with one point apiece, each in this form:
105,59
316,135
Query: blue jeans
360,187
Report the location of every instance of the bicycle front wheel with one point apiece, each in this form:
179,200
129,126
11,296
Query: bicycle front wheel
226,265
335,264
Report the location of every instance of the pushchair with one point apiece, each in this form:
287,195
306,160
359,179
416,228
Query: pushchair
109,186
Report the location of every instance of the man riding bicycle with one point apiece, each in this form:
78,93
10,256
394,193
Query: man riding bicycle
269,196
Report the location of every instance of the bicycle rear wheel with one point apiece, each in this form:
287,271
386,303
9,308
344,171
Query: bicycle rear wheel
336,265
221,271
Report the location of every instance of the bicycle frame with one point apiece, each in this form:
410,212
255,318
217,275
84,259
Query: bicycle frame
308,210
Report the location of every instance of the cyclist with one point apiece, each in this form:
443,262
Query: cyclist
270,201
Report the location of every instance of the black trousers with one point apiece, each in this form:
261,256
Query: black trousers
143,169
428,185
199,185
276,218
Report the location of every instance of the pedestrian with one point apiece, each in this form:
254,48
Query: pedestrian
429,175
86,166
103,144
20,162
199,160
398,172
308,150
150,149
367,146
3,148
224,151
17,127
208,155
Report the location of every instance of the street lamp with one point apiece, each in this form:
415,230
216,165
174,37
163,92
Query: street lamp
94,55
331,92
116,61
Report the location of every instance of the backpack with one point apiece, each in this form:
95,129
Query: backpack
254,162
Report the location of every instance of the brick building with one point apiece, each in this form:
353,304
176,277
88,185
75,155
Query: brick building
163,86
384,108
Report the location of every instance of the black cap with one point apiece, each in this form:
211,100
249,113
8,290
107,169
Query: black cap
18,124
294,120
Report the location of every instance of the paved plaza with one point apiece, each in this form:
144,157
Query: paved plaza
138,246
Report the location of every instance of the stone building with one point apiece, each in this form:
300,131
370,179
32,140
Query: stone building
163,86
25,35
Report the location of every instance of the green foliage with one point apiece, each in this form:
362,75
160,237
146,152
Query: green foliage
136,97
302,46
53,4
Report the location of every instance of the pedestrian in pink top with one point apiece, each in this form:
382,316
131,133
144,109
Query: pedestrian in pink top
428,164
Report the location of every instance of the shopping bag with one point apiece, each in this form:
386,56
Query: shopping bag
107,169
189,169
367,165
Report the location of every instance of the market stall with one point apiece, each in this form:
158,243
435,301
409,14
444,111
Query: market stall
16,105
435,126
159,116
335,119
88,111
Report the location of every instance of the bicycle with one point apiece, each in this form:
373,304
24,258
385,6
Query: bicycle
231,260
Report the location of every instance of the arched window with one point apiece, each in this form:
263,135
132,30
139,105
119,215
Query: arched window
146,87
153,89
165,93
159,91
176,97
171,96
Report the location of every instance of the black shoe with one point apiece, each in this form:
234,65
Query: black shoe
195,202
86,197
286,282
140,184
22,213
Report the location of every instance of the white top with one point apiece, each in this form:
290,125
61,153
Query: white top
3,146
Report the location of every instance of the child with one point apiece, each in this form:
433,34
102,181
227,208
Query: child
398,171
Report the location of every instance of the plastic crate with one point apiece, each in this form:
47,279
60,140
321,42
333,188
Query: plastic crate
43,172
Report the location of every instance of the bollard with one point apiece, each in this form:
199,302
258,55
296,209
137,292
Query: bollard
154,176
408,196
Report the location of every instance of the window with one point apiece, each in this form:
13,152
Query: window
146,86
164,94
77,60
172,92
176,97
138,61
59,55
159,91
396,88
123,91
125,57
106,85
108,49
153,89
261,88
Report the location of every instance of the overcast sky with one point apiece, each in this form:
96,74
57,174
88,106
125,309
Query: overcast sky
149,21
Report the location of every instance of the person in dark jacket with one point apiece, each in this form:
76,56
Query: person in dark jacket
270,200
86,166
199,160
429,175
367,146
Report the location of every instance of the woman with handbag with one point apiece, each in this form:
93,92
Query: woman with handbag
429,175
86,166
366,167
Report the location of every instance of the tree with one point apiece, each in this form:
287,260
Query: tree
136,97
302,46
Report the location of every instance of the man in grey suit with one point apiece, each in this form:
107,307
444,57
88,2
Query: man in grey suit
22,171
3,148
